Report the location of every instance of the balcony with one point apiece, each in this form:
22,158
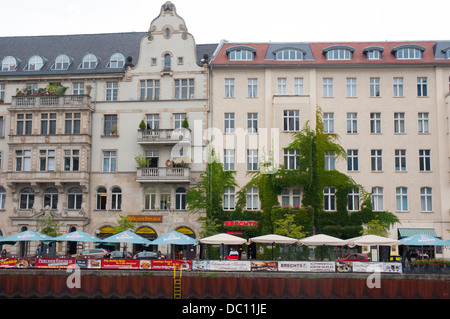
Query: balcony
163,136
44,101
163,174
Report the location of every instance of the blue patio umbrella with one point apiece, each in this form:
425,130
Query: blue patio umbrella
28,235
422,240
78,236
127,237
175,238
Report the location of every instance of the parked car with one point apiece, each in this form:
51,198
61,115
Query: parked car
93,253
355,257
146,255
119,254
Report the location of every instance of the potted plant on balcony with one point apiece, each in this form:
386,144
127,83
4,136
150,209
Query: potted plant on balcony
142,161
142,125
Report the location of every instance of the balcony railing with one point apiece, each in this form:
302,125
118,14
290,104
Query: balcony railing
51,101
171,136
161,174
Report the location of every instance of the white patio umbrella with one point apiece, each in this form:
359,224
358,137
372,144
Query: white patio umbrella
223,238
368,240
322,239
272,238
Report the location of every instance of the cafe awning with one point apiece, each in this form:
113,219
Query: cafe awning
408,232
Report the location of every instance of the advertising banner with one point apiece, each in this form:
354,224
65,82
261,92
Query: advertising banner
264,266
120,264
17,263
54,262
301,266
229,265
164,264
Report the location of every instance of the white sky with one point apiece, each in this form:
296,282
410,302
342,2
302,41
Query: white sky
209,21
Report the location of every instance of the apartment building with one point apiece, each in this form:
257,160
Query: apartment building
95,127
387,101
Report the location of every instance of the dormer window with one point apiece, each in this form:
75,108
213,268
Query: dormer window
116,61
339,53
89,62
9,63
62,62
289,54
241,54
373,53
408,52
446,52
35,63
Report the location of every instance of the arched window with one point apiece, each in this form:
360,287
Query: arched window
241,54
150,198
74,198
289,54
89,62
51,197
9,63
2,198
26,198
339,54
180,198
167,61
117,60
35,63
426,199
116,198
164,200
101,198
408,52
62,62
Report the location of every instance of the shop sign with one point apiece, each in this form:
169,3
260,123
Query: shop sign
145,218
241,223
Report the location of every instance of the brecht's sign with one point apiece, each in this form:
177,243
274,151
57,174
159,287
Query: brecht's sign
241,223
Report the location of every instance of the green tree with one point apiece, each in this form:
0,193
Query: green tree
288,227
48,226
123,224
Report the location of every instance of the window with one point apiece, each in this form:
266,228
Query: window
101,198
23,160
9,63
152,121
425,160
110,125
422,86
178,119
376,160
408,53
252,160
374,87
328,122
327,87
377,199
78,88
184,89
352,123
229,87
373,55
24,124
74,198
339,54
296,198
399,123
228,160
32,87
48,123
109,161
116,198
229,198
298,86
353,200
329,198
26,198
282,86
153,156
149,90
51,198
2,91
285,198
400,160
352,160
401,199
252,88
252,122
111,91
72,123
375,123
240,55
330,161
398,87
164,199
252,198
351,87
289,54
229,123
424,126
62,62
291,158
426,199
167,61
291,120
180,198
35,63
150,198
116,61
2,198
71,160
89,62
46,160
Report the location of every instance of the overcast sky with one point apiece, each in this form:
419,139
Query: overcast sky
210,21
